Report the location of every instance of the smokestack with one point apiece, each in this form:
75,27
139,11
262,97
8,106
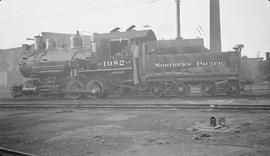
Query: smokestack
178,26
215,35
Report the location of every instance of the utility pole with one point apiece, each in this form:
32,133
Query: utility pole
215,34
178,26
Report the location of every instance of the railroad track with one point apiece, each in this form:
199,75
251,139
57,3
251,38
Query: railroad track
138,106
11,152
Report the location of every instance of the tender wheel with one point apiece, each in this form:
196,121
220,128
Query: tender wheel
157,89
203,90
143,87
229,90
184,90
212,91
74,85
95,88
232,90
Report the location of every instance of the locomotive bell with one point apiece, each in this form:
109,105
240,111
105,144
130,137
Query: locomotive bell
38,43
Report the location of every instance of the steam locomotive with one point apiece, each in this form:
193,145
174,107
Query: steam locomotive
132,61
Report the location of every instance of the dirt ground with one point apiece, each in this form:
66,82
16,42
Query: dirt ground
135,133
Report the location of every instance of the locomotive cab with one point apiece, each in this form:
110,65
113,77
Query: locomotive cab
117,55
116,43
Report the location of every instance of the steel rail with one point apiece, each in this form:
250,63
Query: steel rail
138,106
10,152
196,96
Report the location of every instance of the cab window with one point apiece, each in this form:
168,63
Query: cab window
118,47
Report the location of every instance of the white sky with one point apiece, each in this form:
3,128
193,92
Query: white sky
242,21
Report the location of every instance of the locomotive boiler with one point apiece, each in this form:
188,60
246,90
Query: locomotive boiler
47,68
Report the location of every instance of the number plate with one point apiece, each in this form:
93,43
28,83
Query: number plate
115,63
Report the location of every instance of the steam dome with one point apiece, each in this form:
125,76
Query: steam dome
76,41
50,44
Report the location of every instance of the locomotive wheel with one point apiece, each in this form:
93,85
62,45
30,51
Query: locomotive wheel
124,90
95,88
157,89
186,90
13,92
74,85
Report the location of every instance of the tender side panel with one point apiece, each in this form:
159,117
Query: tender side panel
193,67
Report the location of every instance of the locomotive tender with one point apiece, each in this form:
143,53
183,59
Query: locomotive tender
133,61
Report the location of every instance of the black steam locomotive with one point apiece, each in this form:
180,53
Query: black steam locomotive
133,61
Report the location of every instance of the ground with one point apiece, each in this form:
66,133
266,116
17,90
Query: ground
108,132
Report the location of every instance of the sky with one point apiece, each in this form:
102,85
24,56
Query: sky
242,21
